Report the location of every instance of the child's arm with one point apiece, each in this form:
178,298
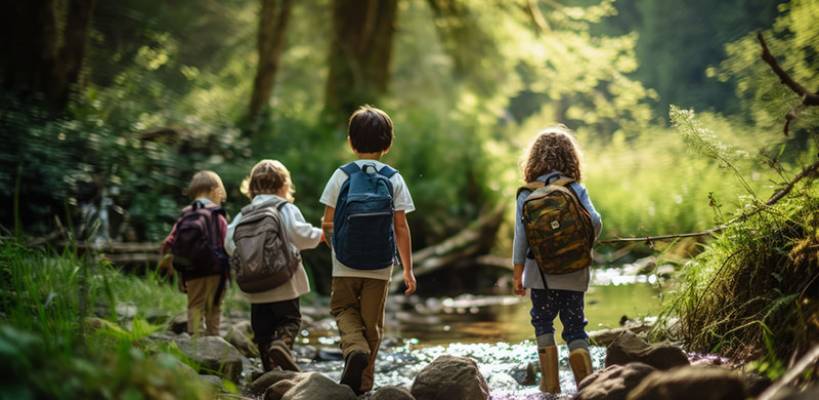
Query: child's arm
327,225
166,259
519,247
230,245
303,234
404,242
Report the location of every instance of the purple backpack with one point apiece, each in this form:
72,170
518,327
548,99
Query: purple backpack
197,248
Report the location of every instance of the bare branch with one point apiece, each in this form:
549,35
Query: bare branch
533,10
808,98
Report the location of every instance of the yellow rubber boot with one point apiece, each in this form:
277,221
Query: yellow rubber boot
580,361
549,379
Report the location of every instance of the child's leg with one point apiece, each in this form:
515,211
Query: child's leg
572,316
544,310
288,322
574,322
543,313
213,304
262,320
275,328
346,308
373,299
197,296
345,305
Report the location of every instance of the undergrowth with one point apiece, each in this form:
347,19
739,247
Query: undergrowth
53,347
752,294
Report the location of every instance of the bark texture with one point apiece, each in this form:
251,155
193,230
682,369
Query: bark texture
360,53
273,20
44,48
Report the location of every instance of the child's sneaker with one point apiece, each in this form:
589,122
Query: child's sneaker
353,369
280,354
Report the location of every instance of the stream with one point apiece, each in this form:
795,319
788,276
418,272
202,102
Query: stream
492,329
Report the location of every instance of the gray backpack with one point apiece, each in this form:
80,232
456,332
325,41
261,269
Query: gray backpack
264,258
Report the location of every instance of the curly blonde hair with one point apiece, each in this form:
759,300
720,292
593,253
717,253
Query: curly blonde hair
268,177
554,149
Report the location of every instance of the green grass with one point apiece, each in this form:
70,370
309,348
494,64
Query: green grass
750,294
53,352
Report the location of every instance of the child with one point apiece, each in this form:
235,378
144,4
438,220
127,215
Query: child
274,312
552,156
203,272
366,234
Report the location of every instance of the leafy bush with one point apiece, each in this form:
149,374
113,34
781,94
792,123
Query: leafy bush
53,351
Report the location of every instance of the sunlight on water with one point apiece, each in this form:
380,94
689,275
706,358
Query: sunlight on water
493,330
502,364
481,319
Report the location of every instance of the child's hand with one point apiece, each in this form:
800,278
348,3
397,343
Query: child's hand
180,283
518,281
166,263
409,281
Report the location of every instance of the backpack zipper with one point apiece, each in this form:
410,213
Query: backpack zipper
371,214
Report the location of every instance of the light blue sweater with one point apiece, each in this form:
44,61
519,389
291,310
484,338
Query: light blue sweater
577,281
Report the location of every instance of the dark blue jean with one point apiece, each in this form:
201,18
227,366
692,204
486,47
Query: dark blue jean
549,303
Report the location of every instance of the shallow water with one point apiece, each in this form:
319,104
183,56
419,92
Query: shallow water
502,364
493,330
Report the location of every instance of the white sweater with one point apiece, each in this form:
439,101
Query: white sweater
301,233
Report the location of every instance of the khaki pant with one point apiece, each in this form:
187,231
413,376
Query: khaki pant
358,306
202,302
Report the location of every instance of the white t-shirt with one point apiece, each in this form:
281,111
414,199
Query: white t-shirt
402,201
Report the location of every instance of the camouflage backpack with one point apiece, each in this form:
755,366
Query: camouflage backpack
558,228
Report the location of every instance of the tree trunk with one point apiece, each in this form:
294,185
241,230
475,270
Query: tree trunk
45,57
360,54
272,25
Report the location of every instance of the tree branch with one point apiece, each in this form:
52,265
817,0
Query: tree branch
537,17
808,98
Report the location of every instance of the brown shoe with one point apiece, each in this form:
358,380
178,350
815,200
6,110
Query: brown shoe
280,354
580,361
354,368
549,378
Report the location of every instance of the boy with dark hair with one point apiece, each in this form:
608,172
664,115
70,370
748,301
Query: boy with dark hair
365,220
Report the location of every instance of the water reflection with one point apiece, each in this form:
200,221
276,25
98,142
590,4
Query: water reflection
493,330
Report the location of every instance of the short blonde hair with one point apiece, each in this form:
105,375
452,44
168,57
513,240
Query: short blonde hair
207,183
554,149
269,177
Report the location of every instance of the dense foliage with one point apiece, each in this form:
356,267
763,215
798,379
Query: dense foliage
52,349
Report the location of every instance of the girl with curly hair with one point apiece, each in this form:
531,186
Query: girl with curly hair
554,154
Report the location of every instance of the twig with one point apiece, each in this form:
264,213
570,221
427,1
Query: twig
808,98
810,170
537,17
807,360
649,239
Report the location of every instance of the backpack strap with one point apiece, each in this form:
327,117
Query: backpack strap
350,168
530,187
274,202
387,171
563,181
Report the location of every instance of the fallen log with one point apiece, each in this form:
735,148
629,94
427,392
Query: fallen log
475,240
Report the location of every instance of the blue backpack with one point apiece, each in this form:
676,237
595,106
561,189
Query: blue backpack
363,235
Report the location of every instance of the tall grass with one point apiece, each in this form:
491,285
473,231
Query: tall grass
49,346
751,294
